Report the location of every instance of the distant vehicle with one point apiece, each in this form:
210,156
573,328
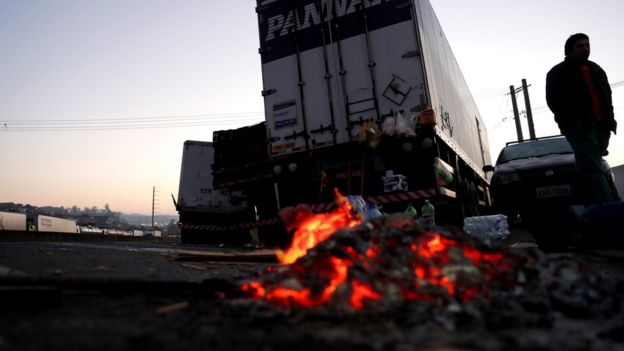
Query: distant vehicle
90,229
534,179
155,233
12,221
203,209
43,223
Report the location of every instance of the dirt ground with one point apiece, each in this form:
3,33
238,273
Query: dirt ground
161,295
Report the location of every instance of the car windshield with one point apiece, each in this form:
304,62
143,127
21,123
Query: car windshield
534,148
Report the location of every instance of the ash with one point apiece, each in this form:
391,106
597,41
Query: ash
435,287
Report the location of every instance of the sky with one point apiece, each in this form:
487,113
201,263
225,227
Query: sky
99,96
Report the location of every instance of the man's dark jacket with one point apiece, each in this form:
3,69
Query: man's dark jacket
568,96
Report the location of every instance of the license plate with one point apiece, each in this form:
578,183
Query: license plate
553,191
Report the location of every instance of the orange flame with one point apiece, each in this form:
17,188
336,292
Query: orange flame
360,292
430,255
319,227
337,274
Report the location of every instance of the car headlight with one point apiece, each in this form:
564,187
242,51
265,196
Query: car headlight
505,178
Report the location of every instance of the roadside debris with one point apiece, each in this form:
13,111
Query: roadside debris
393,262
487,229
172,308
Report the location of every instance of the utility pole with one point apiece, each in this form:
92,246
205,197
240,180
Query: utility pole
153,208
527,103
512,92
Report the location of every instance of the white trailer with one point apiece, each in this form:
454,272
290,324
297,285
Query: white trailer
357,95
196,192
12,221
331,68
198,202
55,225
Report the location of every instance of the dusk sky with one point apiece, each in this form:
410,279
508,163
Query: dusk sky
97,97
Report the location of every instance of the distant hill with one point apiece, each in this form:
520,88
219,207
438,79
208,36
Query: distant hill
94,212
137,218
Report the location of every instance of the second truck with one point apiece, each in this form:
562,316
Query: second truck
362,96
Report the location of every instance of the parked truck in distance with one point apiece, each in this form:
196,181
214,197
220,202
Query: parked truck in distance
205,211
12,221
365,97
50,224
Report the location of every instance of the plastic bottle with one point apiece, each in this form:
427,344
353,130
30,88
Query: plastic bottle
411,210
372,211
428,213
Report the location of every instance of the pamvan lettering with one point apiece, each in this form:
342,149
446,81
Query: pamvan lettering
310,15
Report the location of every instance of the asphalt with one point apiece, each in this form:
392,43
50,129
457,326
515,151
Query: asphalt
101,293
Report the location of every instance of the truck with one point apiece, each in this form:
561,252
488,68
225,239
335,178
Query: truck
205,212
361,96
12,221
41,223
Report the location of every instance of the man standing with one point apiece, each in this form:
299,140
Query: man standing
579,94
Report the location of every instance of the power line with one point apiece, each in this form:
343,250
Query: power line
124,123
105,128
129,119
498,124
129,123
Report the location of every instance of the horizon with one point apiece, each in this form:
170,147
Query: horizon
106,92
85,209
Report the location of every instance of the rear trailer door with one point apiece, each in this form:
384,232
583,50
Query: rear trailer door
333,67
196,191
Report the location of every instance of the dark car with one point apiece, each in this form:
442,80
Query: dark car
533,180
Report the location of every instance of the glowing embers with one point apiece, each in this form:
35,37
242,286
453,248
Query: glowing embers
314,228
391,259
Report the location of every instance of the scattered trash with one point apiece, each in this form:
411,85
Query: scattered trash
172,308
487,228
428,213
358,204
388,126
372,211
404,126
394,182
410,210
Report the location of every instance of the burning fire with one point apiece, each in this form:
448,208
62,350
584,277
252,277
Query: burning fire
318,227
389,257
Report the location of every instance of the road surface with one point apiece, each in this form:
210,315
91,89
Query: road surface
152,295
